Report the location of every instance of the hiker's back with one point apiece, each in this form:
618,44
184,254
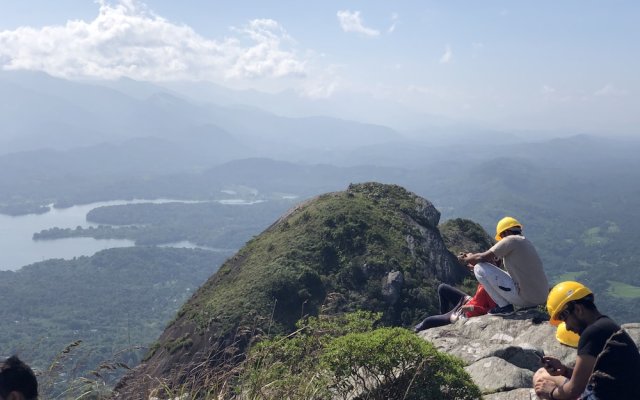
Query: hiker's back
522,262
616,374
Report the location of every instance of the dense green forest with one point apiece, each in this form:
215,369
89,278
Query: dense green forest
580,208
582,216
116,302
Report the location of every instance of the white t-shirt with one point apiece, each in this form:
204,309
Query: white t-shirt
522,262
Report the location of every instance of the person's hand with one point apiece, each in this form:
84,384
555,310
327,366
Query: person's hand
543,388
464,259
497,262
553,366
471,267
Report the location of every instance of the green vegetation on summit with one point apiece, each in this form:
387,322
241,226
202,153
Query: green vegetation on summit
343,243
348,356
372,247
463,235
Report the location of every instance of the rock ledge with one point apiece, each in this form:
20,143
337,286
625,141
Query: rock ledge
500,352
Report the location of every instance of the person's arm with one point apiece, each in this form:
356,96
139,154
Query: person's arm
578,379
471,259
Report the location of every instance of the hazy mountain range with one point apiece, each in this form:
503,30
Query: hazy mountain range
65,143
69,142
46,112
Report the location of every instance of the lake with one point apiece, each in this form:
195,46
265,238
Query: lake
17,248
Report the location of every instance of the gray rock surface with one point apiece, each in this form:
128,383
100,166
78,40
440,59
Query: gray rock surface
518,394
493,374
392,286
500,352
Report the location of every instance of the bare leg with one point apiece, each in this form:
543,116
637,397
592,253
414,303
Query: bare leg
543,374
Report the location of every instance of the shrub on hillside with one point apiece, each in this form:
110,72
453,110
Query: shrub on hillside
345,357
287,366
393,363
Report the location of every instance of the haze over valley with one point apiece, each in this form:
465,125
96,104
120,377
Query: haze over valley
135,161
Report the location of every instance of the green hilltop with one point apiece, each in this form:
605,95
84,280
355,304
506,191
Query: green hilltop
372,247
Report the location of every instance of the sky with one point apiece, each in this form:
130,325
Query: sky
568,66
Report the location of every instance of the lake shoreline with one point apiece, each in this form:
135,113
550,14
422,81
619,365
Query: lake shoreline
18,247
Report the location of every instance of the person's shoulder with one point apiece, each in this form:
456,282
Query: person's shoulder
503,245
603,325
513,240
604,320
595,335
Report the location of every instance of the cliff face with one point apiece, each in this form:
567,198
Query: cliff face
500,352
373,247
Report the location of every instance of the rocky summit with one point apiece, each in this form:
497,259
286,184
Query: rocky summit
371,247
500,351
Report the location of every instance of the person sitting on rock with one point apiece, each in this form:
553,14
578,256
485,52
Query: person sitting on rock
524,283
17,380
454,303
607,364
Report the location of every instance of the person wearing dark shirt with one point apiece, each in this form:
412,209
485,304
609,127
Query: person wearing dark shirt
604,350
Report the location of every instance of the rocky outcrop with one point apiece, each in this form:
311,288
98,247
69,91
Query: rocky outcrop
371,247
392,286
463,235
501,351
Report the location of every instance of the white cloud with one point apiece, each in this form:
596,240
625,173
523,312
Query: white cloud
323,84
476,49
265,57
319,89
609,91
394,22
563,95
352,22
420,89
447,56
546,89
126,39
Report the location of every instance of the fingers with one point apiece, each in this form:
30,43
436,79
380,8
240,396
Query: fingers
547,363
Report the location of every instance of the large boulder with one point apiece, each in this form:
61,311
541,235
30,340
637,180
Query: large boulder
501,351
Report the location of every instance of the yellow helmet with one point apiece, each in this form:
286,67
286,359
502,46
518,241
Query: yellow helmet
567,337
504,224
561,294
